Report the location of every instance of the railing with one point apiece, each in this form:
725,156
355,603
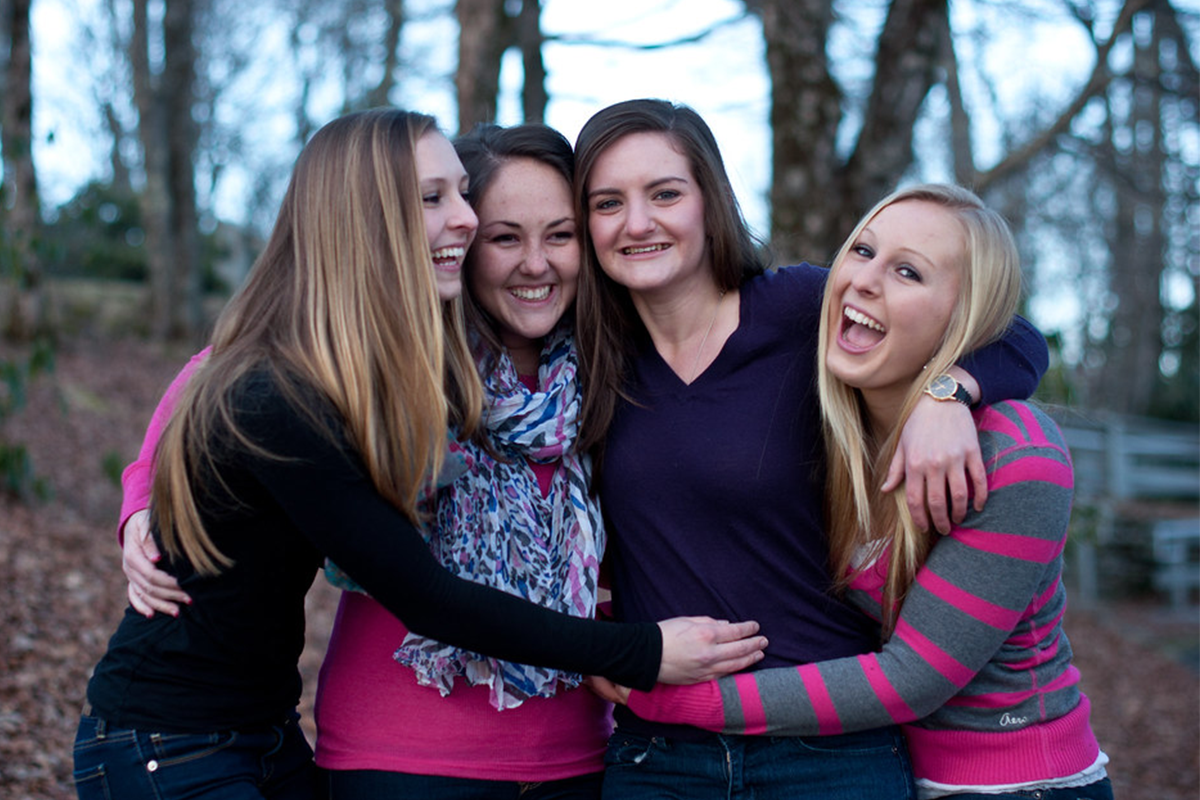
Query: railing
1141,469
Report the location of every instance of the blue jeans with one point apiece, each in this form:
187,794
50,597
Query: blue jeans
1100,790
871,765
121,764
376,785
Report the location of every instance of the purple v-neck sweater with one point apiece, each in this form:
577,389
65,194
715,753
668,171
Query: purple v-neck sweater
712,491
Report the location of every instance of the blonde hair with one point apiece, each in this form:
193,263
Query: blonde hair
863,521
343,304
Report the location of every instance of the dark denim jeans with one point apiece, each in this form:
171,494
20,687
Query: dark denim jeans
361,784
273,762
872,765
1100,790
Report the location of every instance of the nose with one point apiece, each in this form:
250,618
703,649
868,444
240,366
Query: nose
864,277
639,220
463,216
536,262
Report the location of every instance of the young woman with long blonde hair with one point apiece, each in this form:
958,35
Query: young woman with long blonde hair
975,663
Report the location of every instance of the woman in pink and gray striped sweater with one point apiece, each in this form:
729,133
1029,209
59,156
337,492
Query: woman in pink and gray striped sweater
975,663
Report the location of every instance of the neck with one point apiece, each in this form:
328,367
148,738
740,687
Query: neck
525,354
883,411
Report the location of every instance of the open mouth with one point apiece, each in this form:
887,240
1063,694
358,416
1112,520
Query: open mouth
449,257
859,330
643,249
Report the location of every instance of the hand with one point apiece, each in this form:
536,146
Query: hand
607,690
150,589
699,649
938,453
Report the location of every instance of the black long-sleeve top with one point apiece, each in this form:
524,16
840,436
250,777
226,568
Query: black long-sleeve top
229,661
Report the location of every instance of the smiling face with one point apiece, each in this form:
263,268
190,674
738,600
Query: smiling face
895,290
646,216
524,267
449,221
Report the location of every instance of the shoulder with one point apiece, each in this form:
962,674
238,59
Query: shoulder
791,295
1020,441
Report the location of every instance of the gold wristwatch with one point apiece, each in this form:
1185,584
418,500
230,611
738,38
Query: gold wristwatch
945,387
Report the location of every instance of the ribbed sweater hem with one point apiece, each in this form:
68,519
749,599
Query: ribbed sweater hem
1051,749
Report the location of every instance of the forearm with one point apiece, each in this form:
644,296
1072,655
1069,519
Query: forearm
1011,368
138,477
328,496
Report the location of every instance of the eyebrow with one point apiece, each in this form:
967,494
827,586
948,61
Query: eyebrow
651,185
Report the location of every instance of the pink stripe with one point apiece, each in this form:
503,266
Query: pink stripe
1069,678
986,612
887,694
752,706
947,666
1011,545
828,722
1032,468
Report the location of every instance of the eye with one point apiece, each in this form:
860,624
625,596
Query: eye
431,198
561,237
908,272
606,204
863,251
502,238
667,195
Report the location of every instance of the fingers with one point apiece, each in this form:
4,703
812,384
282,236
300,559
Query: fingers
978,479
728,666
607,690
736,631
914,496
895,472
148,604
151,590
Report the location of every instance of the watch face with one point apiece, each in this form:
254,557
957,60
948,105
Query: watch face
942,387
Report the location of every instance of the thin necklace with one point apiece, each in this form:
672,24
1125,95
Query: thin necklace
704,341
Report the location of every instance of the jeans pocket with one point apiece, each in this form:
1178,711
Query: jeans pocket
173,749
91,783
628,750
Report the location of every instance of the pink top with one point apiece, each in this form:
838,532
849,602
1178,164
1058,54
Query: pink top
372,714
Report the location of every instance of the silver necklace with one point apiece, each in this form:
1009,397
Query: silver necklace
704,341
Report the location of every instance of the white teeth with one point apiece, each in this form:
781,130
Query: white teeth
532,293
855,315
650,248
449,253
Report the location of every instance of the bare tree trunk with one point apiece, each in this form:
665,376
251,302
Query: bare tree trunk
529,36
168,134
177,93
907,59
484,34
379,94
1135,329
806,108
27,316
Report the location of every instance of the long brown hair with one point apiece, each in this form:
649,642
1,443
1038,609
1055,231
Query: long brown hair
608,324
342,302
863,521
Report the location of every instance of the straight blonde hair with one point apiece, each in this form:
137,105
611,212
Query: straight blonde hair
863,521
342,303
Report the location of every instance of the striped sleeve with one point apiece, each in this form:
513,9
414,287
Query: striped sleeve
979,590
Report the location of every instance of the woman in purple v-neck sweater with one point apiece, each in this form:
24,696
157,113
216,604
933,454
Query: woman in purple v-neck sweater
702,412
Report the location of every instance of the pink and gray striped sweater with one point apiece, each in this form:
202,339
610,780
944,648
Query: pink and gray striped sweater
978,670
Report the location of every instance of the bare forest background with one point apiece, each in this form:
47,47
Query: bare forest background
1101,183
104,292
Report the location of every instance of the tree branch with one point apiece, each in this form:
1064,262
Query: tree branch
1095,83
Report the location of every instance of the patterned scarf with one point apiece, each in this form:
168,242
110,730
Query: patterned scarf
495,527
